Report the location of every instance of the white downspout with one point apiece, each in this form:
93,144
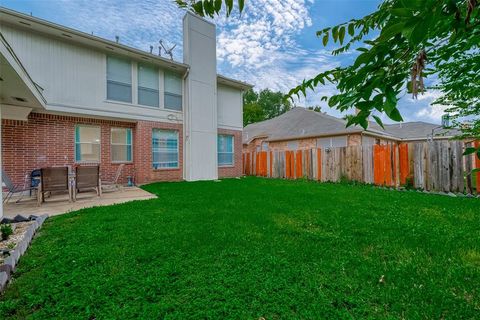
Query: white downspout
184,126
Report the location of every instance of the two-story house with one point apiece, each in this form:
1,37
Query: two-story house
69,98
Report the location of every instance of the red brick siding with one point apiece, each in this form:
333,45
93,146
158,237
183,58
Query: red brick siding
49,140
143,153
236,169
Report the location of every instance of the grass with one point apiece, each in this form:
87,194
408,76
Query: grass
252,248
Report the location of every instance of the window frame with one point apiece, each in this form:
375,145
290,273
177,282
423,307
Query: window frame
166,93
227,165
177,133
75,144
121,144
107,56
157,70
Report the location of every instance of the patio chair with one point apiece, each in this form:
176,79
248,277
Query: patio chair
88,177
13,188
114,185
53,179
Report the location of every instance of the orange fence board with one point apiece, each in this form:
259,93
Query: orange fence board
263,163
388,165
404,163
299,164
378,165
319,164
477,165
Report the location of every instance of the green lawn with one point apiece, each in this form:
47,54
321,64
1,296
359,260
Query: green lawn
251,248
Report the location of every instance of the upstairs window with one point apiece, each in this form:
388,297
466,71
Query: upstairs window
165,149
121,144
225,150
173,91
148,93
119,79
87,143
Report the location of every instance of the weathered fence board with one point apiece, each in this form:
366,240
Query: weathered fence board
435,166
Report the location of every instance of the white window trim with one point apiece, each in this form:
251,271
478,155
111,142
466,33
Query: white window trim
158,89
178,150
121,144
75,144
133,79
233,153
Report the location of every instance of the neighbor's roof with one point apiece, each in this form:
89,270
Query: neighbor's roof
24,21
303,123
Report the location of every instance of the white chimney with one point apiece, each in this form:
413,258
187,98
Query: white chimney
200,107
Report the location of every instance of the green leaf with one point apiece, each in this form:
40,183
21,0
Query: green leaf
351,29
335,33
395,115
418,34
325,39
341,34
378,121
469,151
401,12
198,7
241,5
392,30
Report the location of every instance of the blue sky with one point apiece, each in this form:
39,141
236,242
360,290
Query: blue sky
272,45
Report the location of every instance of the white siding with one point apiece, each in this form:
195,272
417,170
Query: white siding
74,77
230,107
200,127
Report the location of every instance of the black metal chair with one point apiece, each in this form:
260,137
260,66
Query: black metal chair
15,188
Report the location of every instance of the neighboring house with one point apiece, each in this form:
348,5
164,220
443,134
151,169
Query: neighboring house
69,98
300,128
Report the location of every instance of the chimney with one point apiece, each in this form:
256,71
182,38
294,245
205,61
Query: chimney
200,107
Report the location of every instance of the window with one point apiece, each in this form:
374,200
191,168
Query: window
264,146
292,145
87,143
225,150
121,145
119,79
148,94
165,149
173,91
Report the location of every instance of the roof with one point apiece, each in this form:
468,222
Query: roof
35,24
303,123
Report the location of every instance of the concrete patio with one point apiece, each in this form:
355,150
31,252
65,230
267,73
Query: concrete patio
59,204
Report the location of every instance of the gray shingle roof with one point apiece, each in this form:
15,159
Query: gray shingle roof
302,123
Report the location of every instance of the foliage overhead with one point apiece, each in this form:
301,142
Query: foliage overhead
264,105
210,8
400,44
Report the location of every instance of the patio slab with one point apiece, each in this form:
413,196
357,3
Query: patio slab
58,204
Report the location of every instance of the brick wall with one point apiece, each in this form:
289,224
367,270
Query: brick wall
49,140
236,169
145,173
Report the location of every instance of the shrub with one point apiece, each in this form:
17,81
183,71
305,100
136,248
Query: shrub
6,231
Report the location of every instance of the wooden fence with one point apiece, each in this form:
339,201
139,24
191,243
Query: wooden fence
432,166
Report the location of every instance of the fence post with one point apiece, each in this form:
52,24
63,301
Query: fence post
477,165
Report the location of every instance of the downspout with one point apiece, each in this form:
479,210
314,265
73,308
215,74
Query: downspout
185,136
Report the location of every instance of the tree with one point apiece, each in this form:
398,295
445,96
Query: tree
210,8
264,105
401,44
315,108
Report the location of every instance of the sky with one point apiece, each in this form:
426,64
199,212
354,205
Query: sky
272,44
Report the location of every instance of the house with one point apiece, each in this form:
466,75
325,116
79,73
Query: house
69,98
300,128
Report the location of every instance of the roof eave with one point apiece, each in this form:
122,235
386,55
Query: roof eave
38,25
